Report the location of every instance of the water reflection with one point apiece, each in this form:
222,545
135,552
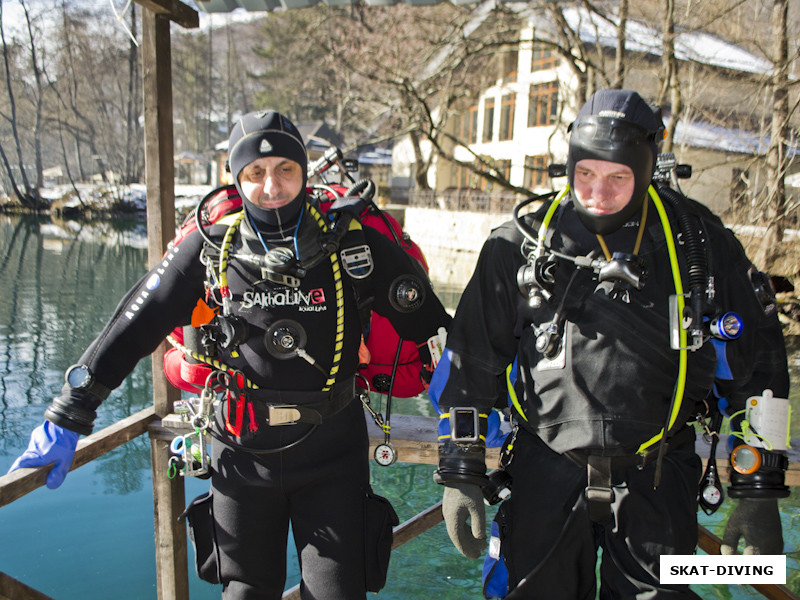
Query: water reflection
62,282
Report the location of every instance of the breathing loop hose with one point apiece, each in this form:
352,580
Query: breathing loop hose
365,188
692,238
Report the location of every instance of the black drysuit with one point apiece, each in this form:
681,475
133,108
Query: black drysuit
606,391
318,485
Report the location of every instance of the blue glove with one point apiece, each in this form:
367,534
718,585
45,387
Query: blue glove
50,444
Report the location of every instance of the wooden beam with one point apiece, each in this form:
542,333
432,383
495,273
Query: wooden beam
168,495
23,481
182,14
408,530
11,589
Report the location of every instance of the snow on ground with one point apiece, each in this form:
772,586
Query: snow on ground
132,233
186,196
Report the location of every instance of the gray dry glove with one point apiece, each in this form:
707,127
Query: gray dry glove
462,501
757,521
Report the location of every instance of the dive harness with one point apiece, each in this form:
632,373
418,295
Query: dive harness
284,339
693,320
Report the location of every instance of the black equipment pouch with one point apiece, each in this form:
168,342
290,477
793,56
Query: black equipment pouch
379,520
199,516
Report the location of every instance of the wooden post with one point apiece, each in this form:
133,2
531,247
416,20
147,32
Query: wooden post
169,496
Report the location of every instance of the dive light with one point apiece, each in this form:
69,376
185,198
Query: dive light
746,459
727,326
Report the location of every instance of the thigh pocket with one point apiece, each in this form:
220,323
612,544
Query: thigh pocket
379,519
199,516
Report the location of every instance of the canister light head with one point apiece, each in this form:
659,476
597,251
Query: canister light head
746,459
727,326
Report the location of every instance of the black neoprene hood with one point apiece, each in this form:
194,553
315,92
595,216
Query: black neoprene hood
616,126
266,133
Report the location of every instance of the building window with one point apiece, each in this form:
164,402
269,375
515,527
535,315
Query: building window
543,58
503,168
507,117
509,66
543,104
462,176
469,125
488,120
535,172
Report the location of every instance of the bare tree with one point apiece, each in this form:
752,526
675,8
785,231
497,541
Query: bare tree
670,82
133,130
26,194
619,64
775,202
38,102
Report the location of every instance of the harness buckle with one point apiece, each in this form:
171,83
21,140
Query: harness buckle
287,414
599,494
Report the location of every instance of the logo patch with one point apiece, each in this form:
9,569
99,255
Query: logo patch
265,146
311,301
153,282
615,114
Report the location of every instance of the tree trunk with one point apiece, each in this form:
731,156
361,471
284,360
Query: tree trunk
420,164
775,203
619,64
670,87
131,120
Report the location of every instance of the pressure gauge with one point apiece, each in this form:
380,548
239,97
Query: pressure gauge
712,495
385,454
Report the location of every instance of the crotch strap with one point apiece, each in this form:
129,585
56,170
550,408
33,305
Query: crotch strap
599,493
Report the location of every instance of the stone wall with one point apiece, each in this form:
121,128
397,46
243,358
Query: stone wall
451,242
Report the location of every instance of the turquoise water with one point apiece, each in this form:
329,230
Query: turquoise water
92,539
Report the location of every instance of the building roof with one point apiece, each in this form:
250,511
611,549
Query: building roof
693,46
212,6
316,134
698,134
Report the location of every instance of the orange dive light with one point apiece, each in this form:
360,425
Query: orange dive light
746,459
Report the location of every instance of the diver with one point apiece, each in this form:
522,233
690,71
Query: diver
276,295
611,297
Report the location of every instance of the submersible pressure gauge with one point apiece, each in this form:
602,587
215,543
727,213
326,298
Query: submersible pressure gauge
385,455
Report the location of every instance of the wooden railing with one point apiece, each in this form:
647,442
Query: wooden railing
413,437
14,486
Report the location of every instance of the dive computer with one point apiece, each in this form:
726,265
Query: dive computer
80,377
464,424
